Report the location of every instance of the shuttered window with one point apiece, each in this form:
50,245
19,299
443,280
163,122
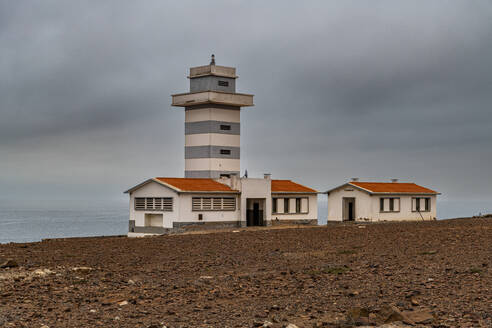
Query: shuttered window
298,205
154,204
290,205
421,204
389,204
213,204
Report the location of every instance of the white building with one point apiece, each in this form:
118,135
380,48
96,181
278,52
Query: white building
161,205
381,201
212,194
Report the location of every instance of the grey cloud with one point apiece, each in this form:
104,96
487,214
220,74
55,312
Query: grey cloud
370,89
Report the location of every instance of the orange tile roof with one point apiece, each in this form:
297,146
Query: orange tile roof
393,187
289,186
196,184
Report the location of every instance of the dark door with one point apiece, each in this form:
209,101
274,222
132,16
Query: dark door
256,214
350,211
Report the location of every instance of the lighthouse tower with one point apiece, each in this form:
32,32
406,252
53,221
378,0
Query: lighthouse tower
212,121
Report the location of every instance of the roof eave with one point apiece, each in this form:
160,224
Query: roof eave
209,192
296,192
152,180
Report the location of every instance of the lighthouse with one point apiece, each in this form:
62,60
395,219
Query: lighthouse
212,121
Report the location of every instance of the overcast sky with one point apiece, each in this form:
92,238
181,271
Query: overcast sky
369,89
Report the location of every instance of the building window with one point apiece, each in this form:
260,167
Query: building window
225,151
223,83
225,127
223,175
213,204
154,204
286,205
298,205
389,204
301,205
421,204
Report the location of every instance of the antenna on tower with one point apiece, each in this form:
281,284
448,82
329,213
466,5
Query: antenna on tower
212,62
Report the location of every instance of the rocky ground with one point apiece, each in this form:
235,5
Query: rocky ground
425,274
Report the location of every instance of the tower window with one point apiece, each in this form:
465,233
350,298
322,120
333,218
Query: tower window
225,127
225,151
223,83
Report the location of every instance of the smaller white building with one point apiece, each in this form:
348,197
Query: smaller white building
381,201
162,205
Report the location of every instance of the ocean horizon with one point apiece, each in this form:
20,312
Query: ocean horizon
33,221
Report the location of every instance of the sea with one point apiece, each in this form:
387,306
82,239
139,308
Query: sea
31,221
35,221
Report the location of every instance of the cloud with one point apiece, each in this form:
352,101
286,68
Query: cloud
371,89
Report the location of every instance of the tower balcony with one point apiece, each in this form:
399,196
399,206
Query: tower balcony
212,97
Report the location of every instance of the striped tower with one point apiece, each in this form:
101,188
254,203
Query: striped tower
212,121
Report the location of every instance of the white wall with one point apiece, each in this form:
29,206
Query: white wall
212,164
256,188
213,114
182,207
367,206
405,209
188,215
214,139
363,203
153,189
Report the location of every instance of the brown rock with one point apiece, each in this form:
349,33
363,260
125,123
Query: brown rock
423,316
9,263
392,314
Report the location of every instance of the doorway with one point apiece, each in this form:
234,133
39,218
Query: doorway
255,212
348,209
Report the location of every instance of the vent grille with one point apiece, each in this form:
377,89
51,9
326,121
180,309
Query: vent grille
154,204
213,204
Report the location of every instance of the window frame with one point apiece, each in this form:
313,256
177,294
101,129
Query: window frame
427,201
391,202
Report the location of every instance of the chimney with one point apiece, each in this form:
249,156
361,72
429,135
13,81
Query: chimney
234,181
355,179
267,176
394,180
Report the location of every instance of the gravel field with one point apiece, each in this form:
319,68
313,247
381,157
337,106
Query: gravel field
425,274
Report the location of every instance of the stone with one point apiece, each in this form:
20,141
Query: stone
391,314
82,269
355,313
414,301
42,272
267,324
9,263
291,325
123,303
422,316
